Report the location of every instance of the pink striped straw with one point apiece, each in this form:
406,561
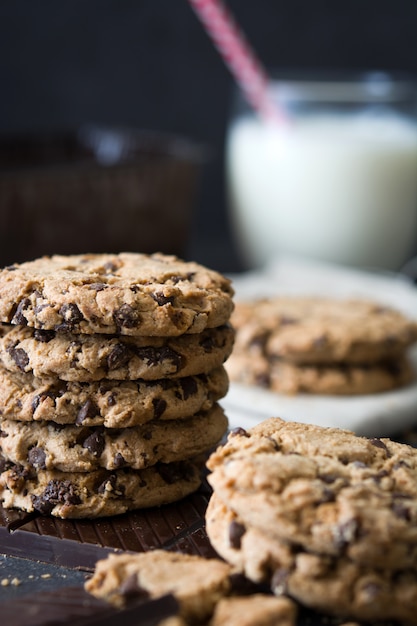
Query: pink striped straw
242,61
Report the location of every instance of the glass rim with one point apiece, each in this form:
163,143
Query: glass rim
370,85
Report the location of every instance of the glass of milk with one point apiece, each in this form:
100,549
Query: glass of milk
336,181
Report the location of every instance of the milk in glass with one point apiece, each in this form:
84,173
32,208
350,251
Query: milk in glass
336,183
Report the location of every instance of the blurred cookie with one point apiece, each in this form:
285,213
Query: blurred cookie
127,294
98,493
109,403
196,582
315,330
343,379
324,489
86,358
48,446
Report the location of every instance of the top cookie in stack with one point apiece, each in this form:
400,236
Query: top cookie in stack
321,345
111,369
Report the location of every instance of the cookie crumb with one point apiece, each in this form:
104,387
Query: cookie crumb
5,582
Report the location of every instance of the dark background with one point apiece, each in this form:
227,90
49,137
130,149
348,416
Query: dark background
149,64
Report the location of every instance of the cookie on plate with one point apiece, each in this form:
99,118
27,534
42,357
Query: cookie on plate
86,358
50,446
126,294
323,330
109,403
98,493
325,489
315,345
339,379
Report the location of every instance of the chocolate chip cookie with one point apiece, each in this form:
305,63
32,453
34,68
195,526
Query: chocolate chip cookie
109,403
324,489
86,358
334,586
197,583
98,493
49,446
321,346
204,588
322,330
127,294
339,379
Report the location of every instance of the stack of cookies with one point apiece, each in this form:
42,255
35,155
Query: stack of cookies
320,515
316,345
111,371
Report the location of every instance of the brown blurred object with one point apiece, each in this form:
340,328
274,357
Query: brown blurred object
95,190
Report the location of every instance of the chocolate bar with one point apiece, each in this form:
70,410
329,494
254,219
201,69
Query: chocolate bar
71,605
78,544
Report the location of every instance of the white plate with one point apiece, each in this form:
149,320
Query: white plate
380,414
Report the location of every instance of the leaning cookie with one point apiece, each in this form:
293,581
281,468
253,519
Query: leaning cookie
197,583
113,404
335,586
126,293
336,379
98,493
48,446
325,489
204,589
86,358
322,330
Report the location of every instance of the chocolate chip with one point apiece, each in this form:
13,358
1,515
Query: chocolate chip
94,443
159,406
19,317
208,344
110,267
20,357
119,460
43,336
56,492
375,441
161,299
118,357
239,432
37,458
236,532
110,484
126,317
188,387
111,400
71,314
88,410
98,286
153,356
328,478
